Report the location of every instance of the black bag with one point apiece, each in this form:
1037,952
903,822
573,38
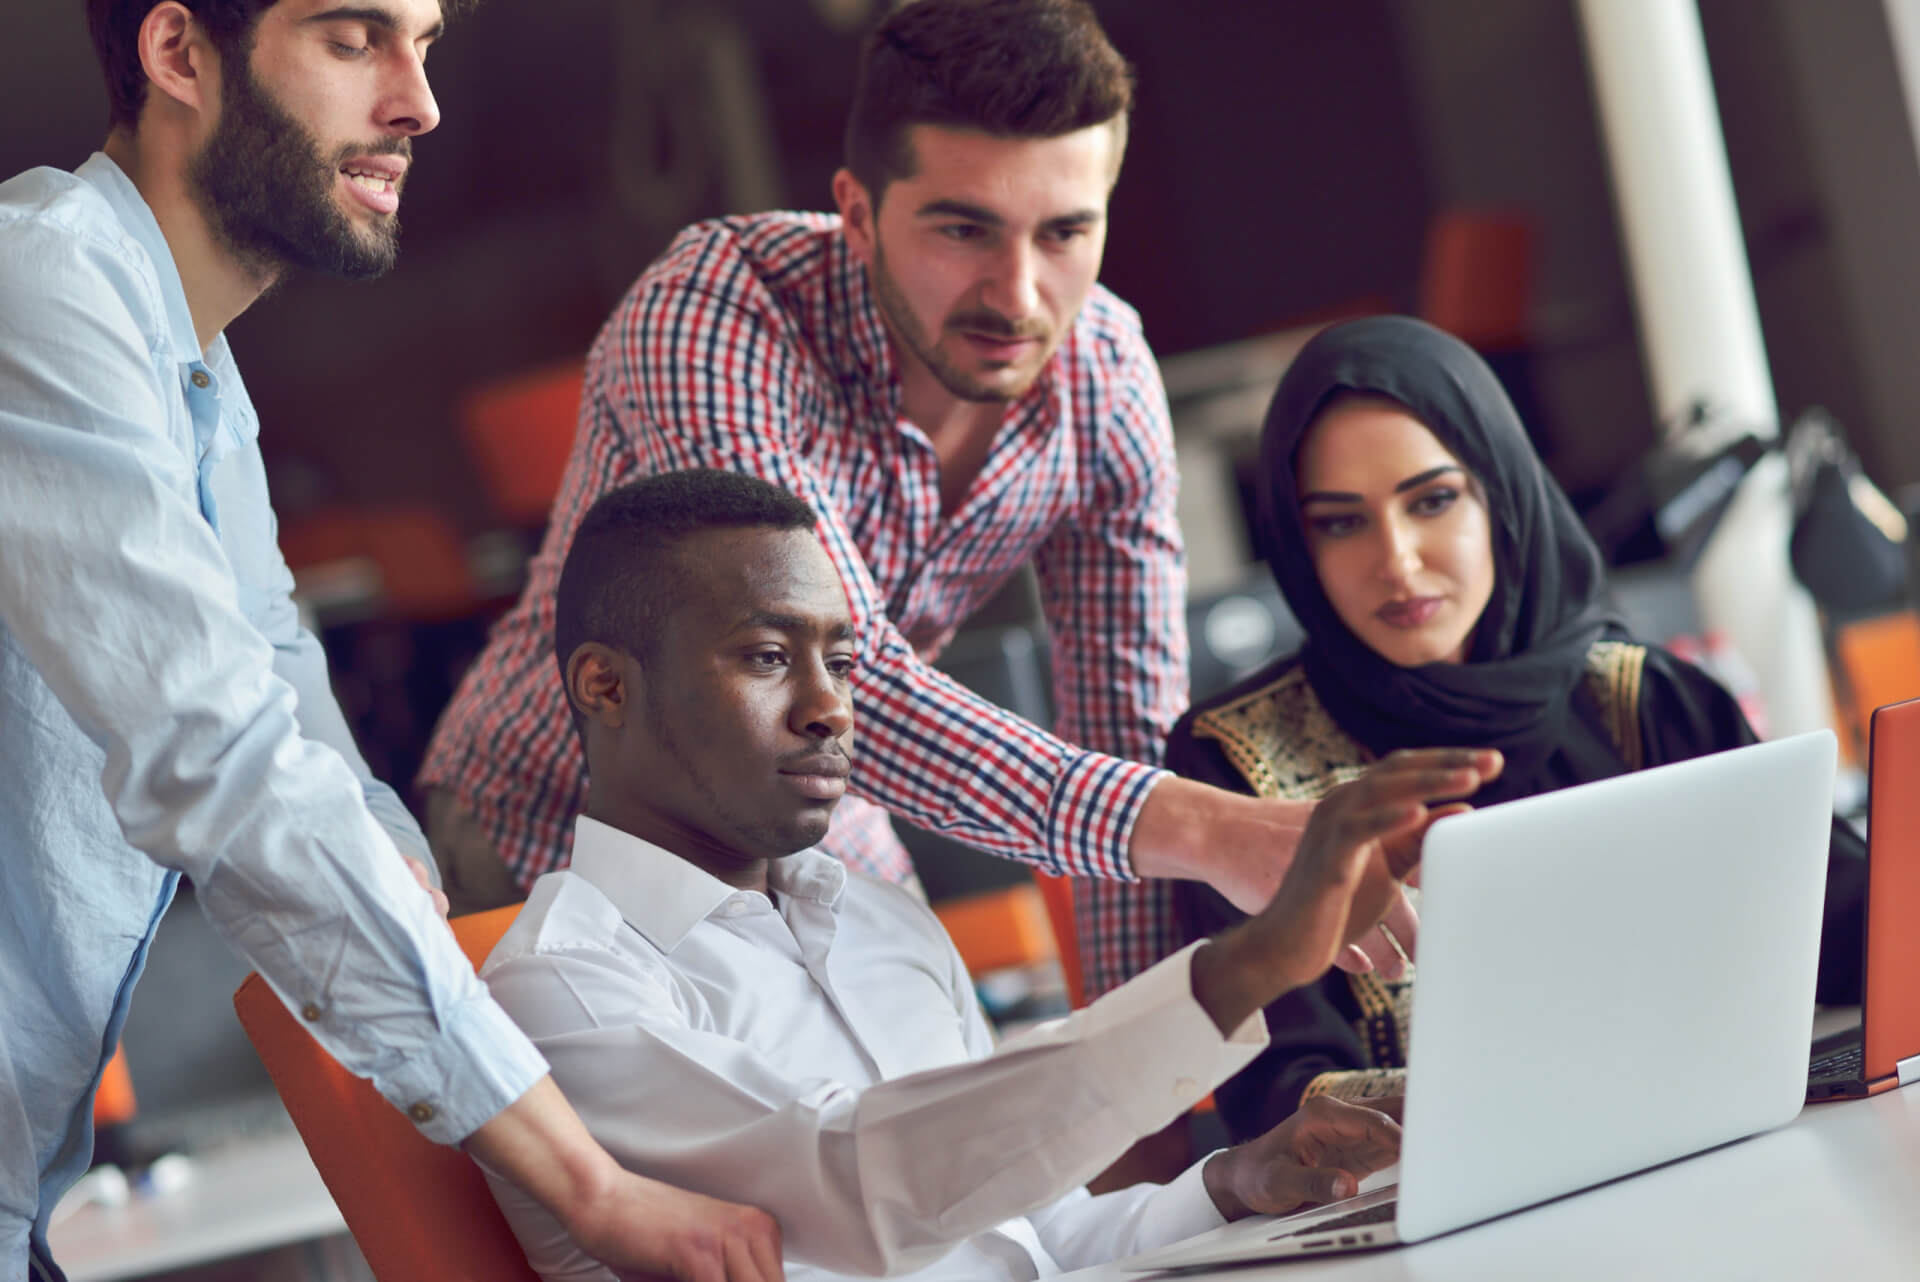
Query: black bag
1848,561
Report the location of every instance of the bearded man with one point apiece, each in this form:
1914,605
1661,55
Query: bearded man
161,710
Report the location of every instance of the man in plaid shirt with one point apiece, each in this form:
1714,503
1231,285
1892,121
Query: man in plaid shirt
937,373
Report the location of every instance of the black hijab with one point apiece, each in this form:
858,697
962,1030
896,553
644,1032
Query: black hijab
1527,655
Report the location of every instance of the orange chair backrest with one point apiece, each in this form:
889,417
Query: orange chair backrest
113,1098
999,928
1878,663
519,432
418,1210
422,561
1476,280
1058,894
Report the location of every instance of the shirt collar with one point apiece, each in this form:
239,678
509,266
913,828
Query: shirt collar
865,351
664,897
136,218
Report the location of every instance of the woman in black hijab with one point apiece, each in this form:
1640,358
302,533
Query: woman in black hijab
1451,597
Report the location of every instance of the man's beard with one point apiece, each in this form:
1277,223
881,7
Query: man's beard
893,305
268,194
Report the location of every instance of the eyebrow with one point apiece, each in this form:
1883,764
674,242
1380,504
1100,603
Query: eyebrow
373,16
841,631
951,208
1411,483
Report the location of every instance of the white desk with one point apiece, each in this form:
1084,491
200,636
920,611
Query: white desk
245,1196
1836,1194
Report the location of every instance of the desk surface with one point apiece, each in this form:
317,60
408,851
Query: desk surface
245,1196
1830,1195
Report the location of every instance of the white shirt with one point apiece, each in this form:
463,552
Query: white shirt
821,1055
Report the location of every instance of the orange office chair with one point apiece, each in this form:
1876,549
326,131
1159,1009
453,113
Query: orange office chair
1057,892
519,432
999,928
1876,661
424,574
113,1100
418,1210
1476,277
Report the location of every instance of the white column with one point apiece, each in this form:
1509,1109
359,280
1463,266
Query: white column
1700,327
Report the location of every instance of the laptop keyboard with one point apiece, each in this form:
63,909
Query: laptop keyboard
1846,1062
1380,1214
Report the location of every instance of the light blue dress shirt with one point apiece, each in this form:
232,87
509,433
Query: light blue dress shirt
162,712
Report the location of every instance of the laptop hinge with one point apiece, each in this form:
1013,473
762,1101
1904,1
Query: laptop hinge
1908,1069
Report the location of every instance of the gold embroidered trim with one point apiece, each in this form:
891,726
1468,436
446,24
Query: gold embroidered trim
1614,672
1283,741
1358,1084
1285,744
1382,1026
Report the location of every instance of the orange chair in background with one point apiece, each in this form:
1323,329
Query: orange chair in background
1058,894
519,431
422,562
1876,661
999,929
113,1099
418,1210
1476,276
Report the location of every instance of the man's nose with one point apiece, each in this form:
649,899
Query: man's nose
1014,290
409,107
822,708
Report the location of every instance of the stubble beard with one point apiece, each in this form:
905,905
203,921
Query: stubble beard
958,382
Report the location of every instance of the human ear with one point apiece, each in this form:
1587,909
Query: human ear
176,56
856,213
598,683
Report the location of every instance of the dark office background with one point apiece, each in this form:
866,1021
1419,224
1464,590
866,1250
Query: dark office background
1286,160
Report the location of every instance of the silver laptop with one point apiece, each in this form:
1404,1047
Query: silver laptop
1610,977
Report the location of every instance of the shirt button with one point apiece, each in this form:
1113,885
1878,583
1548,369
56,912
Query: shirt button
200,378
421,1112
310,1012
1186,1088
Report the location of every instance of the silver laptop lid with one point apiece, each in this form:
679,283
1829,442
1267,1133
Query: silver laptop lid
1612,976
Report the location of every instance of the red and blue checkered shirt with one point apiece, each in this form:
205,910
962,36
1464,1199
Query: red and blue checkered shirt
754,344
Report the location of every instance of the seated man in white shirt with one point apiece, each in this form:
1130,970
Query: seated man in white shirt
736,1013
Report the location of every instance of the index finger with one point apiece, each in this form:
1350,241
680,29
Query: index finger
766,1254
1386,785
1486,762
1358,1124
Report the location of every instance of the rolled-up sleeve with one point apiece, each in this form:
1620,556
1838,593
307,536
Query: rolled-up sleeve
115,588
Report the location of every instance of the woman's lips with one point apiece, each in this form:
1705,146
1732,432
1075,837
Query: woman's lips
1415,612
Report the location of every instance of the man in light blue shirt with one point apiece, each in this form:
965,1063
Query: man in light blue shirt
161,709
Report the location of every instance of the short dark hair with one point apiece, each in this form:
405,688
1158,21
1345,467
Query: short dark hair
1010,68
620,578
115,28
229,24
